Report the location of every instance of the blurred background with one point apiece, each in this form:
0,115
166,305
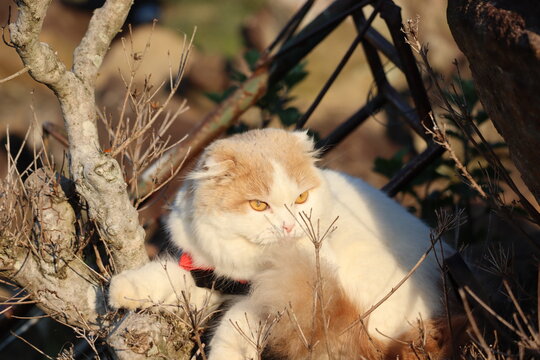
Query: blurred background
225,32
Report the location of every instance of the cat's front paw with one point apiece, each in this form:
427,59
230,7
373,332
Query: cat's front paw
128,292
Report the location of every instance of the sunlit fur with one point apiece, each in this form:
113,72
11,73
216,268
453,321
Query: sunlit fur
374,246
212,218
319,321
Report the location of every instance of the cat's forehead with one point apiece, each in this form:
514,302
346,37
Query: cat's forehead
270,145
259,150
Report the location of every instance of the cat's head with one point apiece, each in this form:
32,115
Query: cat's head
253,185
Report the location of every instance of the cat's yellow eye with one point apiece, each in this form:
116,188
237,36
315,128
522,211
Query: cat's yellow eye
302,198
258,205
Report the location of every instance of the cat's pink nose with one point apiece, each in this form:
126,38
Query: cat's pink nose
288,227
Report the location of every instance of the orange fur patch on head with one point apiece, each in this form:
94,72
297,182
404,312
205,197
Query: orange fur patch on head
245,170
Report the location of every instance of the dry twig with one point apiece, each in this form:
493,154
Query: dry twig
13,76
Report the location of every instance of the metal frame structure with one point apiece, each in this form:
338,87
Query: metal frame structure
296,46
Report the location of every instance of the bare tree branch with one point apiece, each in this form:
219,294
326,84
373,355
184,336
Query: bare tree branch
97,176
104,25
47,264
42,252
39,57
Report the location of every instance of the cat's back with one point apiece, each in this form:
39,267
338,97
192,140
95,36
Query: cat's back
376,244
374,212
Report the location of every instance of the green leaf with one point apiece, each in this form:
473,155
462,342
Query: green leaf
411,209
236,75
314,135
481,116
469,94
498,145
271,101
430,173
237,128
455,134
251,57
297,74
432,202
485,173
289,116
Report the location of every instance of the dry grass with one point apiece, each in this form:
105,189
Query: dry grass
138,138
510,332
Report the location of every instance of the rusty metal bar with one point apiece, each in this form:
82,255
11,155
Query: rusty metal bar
291,26
409,114
384,46
371,53
311,35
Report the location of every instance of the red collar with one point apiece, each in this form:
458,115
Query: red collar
205,277
186,263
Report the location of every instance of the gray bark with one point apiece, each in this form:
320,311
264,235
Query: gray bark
42,254
97,176
47,262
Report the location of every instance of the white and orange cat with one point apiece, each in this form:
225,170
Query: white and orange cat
238,214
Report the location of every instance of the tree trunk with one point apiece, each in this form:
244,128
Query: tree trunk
42,253
501,40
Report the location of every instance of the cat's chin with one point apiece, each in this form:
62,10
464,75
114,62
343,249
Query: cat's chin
278,240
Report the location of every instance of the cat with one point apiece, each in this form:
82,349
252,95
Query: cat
238,217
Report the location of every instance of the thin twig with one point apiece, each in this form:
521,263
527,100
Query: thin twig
439,136
474,325
532,332
13,76
490,310
297,326
394,289
31,345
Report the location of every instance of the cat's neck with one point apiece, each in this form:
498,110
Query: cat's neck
230,256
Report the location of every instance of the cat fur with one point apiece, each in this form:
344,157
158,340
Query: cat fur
375,243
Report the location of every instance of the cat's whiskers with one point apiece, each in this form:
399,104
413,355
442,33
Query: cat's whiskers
268,233
278,232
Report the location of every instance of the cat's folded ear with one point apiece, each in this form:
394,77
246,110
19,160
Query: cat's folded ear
307,143
211,166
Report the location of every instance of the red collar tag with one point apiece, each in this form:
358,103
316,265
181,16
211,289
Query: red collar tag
186,263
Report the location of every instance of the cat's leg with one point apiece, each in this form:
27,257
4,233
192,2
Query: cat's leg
157,282
238,336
